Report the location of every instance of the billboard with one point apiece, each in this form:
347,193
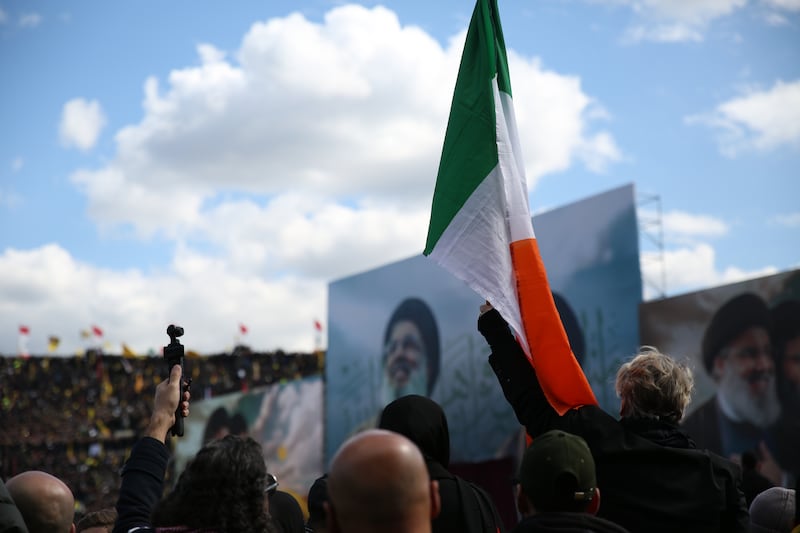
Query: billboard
737,339
410,327
286,418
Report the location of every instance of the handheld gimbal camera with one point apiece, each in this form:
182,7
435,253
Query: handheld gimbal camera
173,354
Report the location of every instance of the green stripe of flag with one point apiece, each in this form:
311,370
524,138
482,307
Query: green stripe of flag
470,143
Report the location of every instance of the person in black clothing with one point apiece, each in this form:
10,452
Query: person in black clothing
378,482
653,478
738,356
786,339
465,506
11,520
317,498
559,490
45,502
753,482
286,512
221,489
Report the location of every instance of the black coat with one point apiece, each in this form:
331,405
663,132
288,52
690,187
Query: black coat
650,476
11,520
466,508
566,523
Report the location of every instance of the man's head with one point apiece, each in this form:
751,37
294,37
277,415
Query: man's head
223,485
557,474
317,497
45,502
378,480
101,521
786,320
410,351
654,385
737,353
773,511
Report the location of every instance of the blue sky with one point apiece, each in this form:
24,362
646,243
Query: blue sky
216,164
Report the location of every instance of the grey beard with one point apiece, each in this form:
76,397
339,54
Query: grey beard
418,384
740,406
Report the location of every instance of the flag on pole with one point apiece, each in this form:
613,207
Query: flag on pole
127,351
52,343
317,325
97,331
243,329
480,228
22,342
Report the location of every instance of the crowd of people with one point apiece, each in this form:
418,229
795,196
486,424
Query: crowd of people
77,417
584,470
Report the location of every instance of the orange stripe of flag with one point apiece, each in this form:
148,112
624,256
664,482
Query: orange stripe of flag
560,376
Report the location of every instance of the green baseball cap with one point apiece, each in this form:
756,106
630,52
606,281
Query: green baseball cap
557,472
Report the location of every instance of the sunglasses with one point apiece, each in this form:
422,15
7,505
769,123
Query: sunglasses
272,484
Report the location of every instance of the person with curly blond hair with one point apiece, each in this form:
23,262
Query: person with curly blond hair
652,476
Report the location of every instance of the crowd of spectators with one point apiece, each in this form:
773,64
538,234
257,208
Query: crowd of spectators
77,417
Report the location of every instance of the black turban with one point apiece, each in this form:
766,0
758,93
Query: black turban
732,319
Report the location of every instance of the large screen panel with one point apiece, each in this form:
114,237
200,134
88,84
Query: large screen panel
590,251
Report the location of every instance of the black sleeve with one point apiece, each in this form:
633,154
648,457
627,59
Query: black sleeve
142,485
517,377
736,517
10,518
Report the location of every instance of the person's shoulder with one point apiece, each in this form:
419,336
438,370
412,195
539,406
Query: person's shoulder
563,521
703,414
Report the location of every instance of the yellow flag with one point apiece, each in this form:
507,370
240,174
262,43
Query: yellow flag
127,352
52,343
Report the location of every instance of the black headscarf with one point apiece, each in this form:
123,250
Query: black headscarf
423,422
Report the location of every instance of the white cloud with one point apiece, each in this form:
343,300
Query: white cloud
775,19
310,150
673,20
682,227
758,120
686,224
63,296
81,123
662,33
17,163
3,16
353,109
691,268
789,220
785,5
30,20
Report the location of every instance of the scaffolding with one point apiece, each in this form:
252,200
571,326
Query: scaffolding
651,239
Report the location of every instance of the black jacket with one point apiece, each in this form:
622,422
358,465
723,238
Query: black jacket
566,523
651,478
11,520
142,485
466,508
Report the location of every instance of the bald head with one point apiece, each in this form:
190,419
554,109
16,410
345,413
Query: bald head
45,502
379,478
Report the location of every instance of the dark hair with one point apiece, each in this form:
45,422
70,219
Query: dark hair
102,518
749,460
416,311
221,420
222,487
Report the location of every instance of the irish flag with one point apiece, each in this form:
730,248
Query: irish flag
480,228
